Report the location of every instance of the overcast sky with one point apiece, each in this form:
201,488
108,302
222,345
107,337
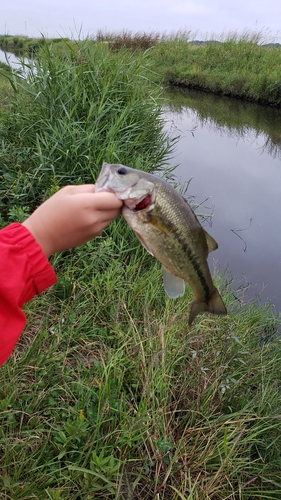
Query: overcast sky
55,18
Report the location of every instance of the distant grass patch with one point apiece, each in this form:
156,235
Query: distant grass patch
25,46
240,67
129,40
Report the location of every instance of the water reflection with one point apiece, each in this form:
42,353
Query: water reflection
232,151
9,59
232,117
14,62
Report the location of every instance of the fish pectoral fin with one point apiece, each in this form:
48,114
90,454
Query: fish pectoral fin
214,305
211,243
174,286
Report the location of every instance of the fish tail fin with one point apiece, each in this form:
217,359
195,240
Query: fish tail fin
214,305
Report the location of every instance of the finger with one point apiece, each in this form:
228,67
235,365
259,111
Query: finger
80,189
108,216
105,201
102,226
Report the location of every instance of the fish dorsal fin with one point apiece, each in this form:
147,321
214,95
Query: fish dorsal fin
211,243
174,286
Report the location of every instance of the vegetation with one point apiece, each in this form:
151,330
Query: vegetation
5,72
239,67
70,114
244,66
25,46
127,40
109,394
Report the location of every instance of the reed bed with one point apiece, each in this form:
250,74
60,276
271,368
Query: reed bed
244,65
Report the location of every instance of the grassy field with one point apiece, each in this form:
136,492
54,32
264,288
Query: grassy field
109,394
239,66
244,66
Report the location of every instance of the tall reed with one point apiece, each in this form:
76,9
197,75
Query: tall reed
72,112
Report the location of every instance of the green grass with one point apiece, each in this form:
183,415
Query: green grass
25,46
5,72
243,67
72,113
109,394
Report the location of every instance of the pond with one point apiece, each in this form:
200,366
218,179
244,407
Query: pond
231,151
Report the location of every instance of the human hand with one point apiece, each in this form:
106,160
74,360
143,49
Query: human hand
72,216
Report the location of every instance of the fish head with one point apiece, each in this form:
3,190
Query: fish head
128,184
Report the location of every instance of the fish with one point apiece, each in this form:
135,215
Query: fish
169,230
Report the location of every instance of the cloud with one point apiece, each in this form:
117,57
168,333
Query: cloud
54,18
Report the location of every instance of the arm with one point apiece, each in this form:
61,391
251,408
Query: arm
24,272
74,215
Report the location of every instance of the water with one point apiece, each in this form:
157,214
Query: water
10,59
13,61
232,152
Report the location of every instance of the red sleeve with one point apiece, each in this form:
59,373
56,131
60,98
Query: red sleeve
24,272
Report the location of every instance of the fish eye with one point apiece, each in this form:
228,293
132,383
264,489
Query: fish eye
122,171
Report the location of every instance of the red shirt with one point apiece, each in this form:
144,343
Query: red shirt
24,272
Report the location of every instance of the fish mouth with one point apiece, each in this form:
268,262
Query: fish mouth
144,203
138,204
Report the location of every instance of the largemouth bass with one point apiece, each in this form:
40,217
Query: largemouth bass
168,228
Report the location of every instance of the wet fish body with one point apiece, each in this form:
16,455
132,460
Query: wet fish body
168,228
